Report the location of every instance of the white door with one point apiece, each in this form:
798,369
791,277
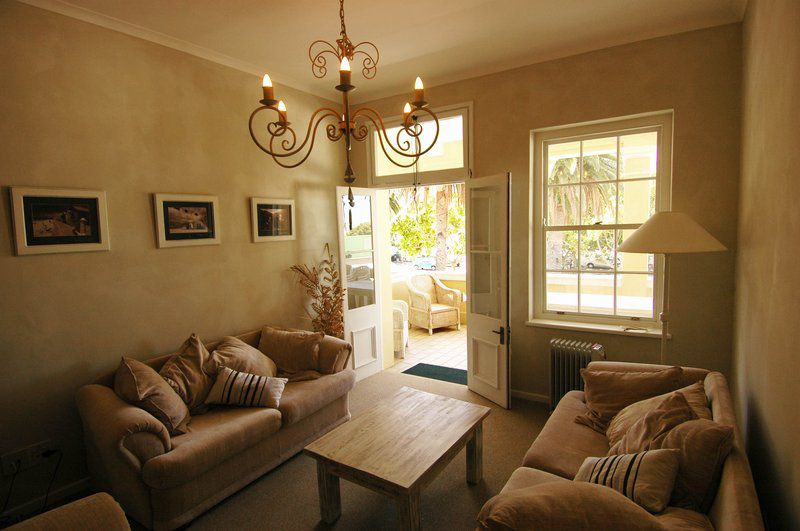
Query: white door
488,214
357,254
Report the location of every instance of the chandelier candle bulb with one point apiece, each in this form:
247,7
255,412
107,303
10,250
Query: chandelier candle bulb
282,112
419,91
406,111
344,72
269,92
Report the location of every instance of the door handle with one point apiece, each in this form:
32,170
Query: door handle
502,333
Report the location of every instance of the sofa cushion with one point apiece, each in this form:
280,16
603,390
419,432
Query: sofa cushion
528,477
675,518
301,399
694,394
212,438
235,354
141,386
190,372
292,351
234,388
654,425
563,444
608,392
564,505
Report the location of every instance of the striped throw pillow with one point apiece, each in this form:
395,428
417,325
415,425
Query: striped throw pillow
234,388
647,478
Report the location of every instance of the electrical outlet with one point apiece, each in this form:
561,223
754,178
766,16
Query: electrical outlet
25,458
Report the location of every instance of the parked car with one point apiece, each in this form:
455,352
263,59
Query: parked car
425,262
597,265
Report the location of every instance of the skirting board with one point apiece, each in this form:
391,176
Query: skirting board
57,496
530,397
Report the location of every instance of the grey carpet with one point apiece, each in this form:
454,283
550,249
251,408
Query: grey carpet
286,498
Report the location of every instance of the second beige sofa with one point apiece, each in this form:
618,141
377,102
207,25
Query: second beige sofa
164,482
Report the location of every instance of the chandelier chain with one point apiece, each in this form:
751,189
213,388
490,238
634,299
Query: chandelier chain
343,33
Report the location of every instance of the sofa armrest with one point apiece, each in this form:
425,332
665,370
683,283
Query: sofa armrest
690,374
118,430
98,511
333,354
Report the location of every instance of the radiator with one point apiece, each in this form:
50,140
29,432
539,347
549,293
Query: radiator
567,358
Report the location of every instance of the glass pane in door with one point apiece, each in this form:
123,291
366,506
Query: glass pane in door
359,269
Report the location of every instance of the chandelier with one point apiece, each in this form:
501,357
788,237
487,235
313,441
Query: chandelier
348,124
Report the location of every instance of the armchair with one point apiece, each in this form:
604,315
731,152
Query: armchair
400,326
433,305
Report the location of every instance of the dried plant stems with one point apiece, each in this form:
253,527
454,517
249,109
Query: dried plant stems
323,284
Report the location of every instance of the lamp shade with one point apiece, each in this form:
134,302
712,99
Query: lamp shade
668,233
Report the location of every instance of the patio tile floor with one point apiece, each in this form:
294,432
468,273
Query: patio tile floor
447,347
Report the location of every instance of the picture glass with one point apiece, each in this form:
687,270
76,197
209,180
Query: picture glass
274,219
61,220
188,220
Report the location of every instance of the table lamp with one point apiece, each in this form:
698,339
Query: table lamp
668,233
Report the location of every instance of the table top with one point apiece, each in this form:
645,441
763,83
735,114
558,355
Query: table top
399,442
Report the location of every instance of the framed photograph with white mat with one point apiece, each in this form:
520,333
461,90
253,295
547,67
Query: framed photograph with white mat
59,220
184,219
272,219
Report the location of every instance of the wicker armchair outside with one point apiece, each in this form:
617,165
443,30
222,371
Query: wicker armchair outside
400,327
433,305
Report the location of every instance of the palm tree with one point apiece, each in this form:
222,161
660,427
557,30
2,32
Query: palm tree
563,202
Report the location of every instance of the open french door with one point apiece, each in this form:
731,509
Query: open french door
357,254
488,214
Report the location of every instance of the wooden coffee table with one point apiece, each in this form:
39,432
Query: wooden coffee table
398,447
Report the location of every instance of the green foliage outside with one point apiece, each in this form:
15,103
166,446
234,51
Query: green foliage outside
362,229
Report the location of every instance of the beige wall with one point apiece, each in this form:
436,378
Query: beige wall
767,345
698,75
85,107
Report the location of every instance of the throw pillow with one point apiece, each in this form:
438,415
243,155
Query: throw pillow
190,372
704,445
564,505
235,354
140,385
695,395
672,411
292,351
234,388
608,392
646,478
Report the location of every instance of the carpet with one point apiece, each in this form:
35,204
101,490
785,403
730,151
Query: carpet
286,498
446,374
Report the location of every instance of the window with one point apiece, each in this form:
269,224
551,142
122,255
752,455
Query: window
448,160
594,185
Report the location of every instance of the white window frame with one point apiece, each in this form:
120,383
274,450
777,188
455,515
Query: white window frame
662,123
424,177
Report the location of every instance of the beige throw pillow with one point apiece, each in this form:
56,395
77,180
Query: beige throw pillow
608,392
292,351
646,478
235,354
234,388
695,395
704,445
654,425
564,505
140,385
190,372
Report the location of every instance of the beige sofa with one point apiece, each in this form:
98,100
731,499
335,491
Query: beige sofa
164,482
563,444
98,512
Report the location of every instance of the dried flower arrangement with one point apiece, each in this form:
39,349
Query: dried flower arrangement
323,284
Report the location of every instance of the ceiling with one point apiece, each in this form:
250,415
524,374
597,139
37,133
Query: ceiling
439,40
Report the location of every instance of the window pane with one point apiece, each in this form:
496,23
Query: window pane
562,163
563,205
600,159
597,293
629,262
562,292
635,295
598,203
639,154
485,297
447,153
562,250
637,201
597,250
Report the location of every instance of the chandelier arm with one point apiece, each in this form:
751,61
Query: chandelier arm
318,61
313,136
370,63
383,147
409,128
279,130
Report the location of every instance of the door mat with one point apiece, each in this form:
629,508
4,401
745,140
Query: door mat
436,372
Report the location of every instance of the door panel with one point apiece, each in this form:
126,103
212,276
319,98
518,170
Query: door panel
488,214
357,244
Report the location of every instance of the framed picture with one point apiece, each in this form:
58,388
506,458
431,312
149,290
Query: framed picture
59,220
183,220
273,219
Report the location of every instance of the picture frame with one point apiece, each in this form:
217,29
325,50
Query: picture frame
273,219
59,220
186,220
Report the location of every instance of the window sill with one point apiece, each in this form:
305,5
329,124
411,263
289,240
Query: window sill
619,330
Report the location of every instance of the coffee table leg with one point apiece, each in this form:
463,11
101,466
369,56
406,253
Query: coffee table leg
475,456
330,501
408,509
